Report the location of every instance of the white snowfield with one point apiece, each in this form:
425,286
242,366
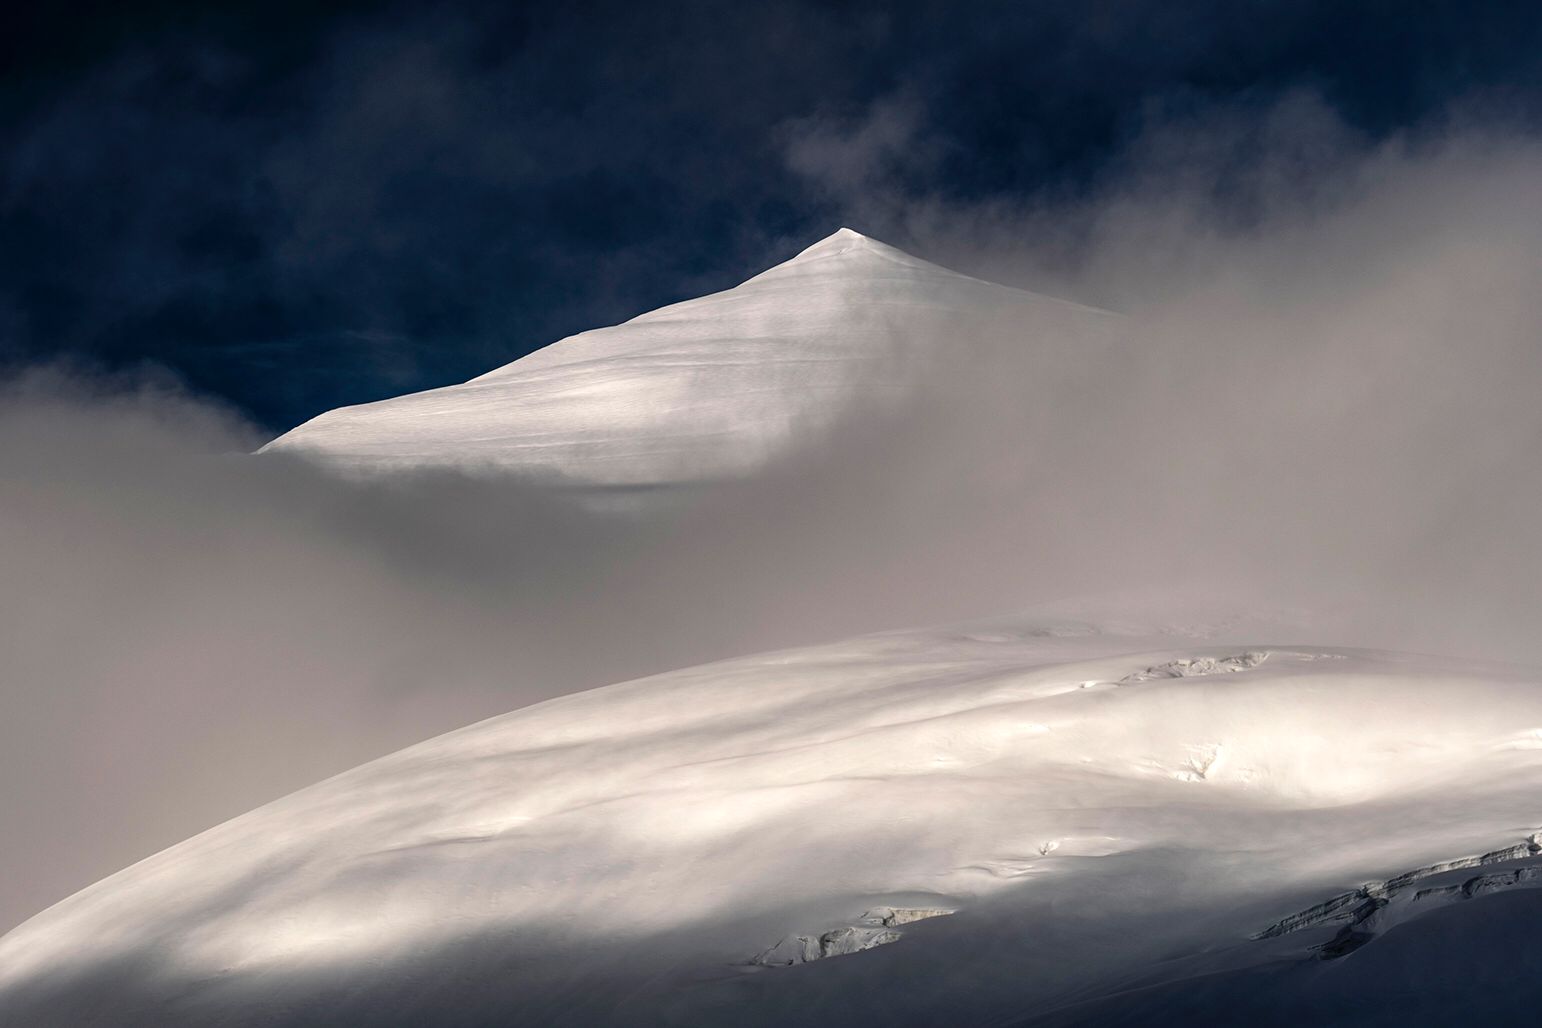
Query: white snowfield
708,389
1025,822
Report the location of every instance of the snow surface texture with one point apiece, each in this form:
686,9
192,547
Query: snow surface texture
708,389
1025,822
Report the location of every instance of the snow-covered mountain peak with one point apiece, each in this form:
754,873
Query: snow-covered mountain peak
847,252
847,241
707,389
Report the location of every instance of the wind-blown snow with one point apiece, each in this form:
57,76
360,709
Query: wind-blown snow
1085,811
707,389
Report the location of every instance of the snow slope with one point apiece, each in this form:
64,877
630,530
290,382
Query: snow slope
1027,821
706,389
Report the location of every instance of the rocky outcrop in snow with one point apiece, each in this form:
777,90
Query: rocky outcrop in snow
875,928
1191,667
1362,911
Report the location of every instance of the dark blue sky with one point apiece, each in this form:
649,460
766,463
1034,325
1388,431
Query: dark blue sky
296,209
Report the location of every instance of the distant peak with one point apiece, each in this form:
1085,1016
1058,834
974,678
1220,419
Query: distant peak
847,252
838,241
846,243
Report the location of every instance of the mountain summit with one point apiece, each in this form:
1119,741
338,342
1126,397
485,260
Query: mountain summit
711,388
849,246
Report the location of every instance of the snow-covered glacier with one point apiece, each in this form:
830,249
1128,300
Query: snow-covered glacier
1030,821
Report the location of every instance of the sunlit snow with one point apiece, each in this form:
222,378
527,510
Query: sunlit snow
703,828
706,389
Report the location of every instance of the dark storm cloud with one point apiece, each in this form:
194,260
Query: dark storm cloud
297,210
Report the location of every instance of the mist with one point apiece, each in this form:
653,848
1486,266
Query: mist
1334,341
1321,392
